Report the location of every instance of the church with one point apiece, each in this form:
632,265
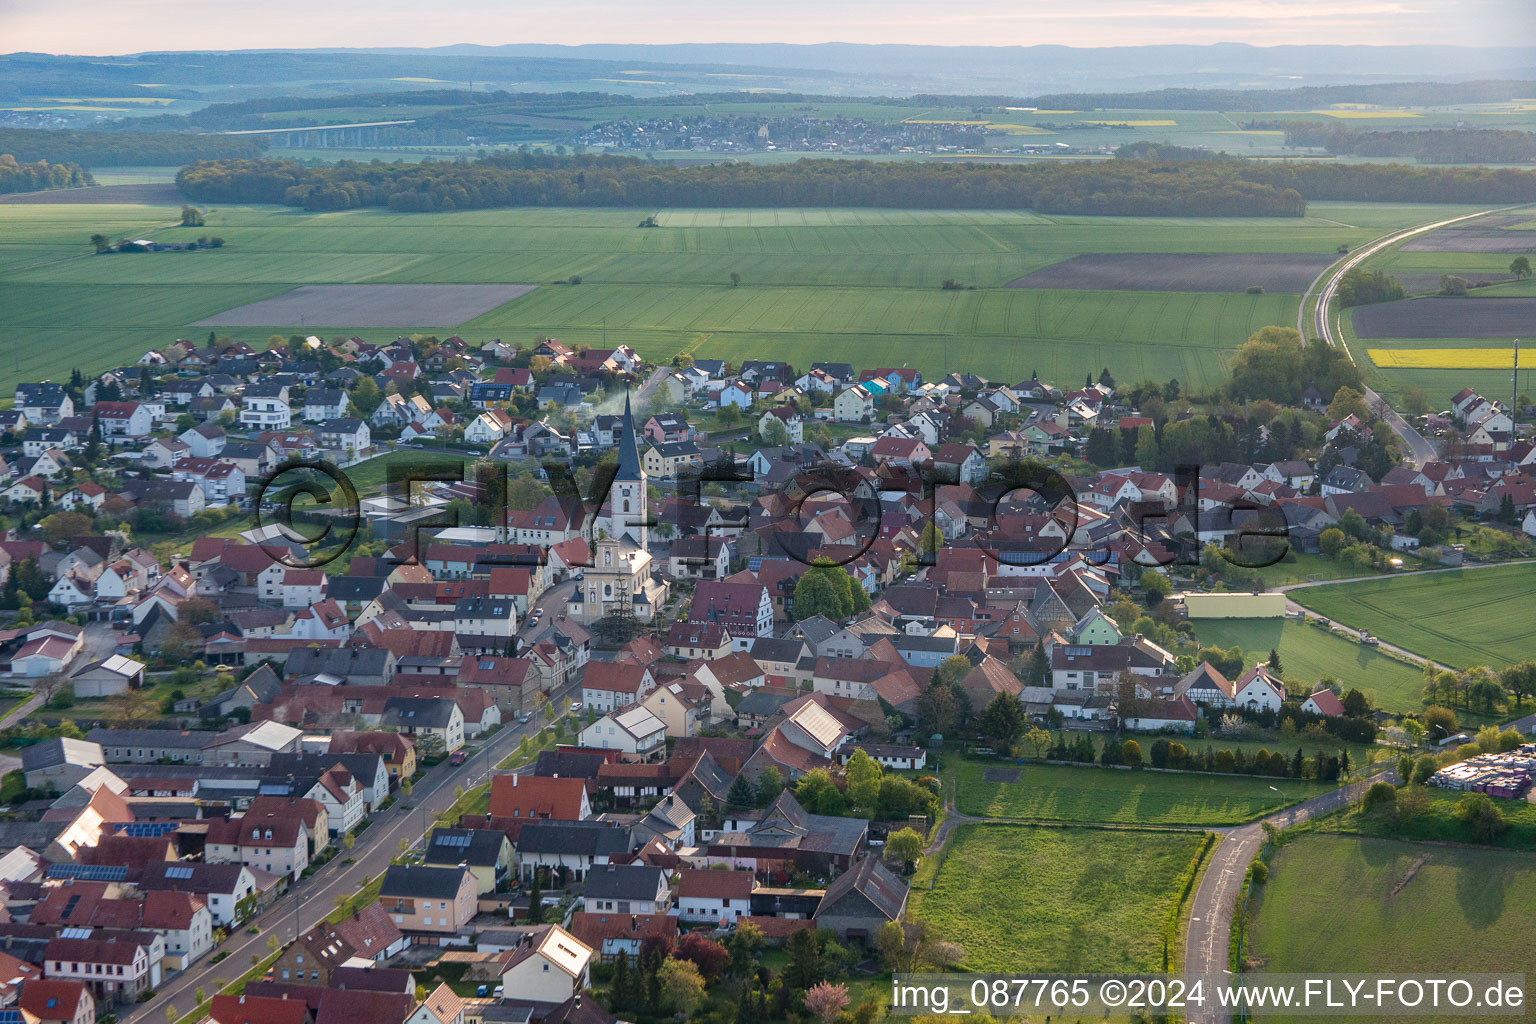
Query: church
623,579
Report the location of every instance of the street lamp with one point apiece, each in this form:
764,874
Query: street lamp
1282,795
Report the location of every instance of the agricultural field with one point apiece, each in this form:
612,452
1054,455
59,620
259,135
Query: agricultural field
1309,653
371,305
815,284
1092,794
1489,317
1031,898
1476,616
1383,907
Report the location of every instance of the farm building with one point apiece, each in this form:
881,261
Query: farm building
1234,606
107,677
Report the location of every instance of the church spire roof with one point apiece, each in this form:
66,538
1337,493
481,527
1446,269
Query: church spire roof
629,450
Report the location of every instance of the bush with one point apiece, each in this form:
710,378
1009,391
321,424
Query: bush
1260,872
1255,289
1380,793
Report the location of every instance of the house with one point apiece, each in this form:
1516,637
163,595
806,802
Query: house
1325,703
1171,714
485,852
368,935
854,405
44,402
279,846
1206,685
55,1001
745,610
679,713
1258,690
116,970
568,848
430,900
488,428
626,889
608,935
636,733
609,685
553,968
104,678
714,897
321,404
253,1009
859,902
534,796
344,434
123,419
265,407
431,720
673,459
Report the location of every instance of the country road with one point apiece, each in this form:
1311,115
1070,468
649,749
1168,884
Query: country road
1420,449
309,901
1207,946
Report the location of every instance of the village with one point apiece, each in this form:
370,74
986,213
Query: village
690,711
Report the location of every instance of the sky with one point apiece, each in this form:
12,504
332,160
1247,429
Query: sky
129,26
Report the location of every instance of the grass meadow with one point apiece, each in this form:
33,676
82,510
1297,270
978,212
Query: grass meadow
1091,794
815,283
1033,898
1308,653
1478,616
1337,904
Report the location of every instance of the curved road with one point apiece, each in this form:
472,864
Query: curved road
1207,944
1420,450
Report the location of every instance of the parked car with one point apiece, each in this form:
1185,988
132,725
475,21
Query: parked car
458,757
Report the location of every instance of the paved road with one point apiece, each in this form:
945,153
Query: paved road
1207,945
313,898
1421,450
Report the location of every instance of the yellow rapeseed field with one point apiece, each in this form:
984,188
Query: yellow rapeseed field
1443,358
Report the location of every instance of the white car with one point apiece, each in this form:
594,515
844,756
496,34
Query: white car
576,705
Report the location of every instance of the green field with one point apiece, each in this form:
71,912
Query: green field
1377,906
1436,823
1308,653
815,284
1087,793
1478,616
1027,898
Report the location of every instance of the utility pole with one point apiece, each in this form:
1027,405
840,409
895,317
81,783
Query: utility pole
1514,393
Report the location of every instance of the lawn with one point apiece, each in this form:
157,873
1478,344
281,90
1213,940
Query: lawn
1377,906
1309,653
1092,794
815,284
1478,616
1033,898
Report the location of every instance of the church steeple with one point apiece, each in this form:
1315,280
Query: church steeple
629,450
628,499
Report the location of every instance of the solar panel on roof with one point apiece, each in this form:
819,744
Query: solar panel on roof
75,933
10,1016
148,829
89,872
178,872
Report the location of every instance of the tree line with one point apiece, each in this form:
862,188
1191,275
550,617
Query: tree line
16,176
127,149
1394,94
1128,188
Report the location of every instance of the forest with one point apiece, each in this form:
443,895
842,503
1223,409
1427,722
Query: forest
126,149
1389,94
1430,146
1126,188
1397,183
16,176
